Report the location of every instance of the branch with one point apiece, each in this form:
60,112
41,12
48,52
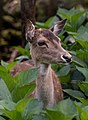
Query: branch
27,12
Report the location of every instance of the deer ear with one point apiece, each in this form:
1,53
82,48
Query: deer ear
57,28
29,30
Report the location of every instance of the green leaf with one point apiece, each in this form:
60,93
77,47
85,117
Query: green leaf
7,104
7,66
56,115
81,37
23,51
84,115
64,13
83,111
64,70
74,93
33,108
4,64
4,92
84,87
13,115
82,29
1,118
82,54
40,25
84,101
21,92
84,71
21,105
40,117
8,79
77,19
51,21
79,61
67,107
84,44
27,76
11,65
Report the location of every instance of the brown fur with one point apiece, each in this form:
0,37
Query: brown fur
48,90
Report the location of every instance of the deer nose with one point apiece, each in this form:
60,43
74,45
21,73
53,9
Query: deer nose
67,58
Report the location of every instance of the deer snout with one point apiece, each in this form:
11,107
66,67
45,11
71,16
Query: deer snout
66,58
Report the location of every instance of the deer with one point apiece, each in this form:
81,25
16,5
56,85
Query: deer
45,49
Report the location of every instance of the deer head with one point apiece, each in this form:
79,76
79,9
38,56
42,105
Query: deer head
45,45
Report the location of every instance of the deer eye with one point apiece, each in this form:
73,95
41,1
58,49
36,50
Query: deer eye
42,43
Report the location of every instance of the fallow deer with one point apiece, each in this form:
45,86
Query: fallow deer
45,49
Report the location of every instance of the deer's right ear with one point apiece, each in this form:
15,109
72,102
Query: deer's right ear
29,31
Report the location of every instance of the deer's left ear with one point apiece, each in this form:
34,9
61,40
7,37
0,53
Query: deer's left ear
29,30
57,28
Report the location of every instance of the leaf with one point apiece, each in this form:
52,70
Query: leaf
82,29
56,115
7,104
84,71
27,76
21,92
74,93
83,111
1,118
67,107
13,115
7,66
22,57
82,54
77,19
81,37
8,79
84,44
23,51
79,61
51,21
40,25
39,117
4,64
21,105
4,92
84,101
63,13
11,65
84,87
33,108
9,111
84,115
65,79
64,70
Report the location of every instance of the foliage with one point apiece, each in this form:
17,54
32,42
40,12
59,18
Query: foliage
14,91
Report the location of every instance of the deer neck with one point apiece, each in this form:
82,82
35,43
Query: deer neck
43,68
45,87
